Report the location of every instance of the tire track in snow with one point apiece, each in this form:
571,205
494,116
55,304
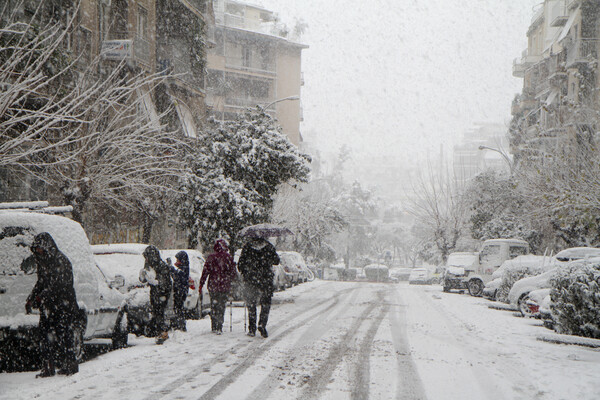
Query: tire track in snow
323,374
363,366
408,383
252,347
316,330
222,384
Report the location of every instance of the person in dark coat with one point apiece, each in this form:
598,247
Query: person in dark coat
54,295
181,277
219,269
158,274
256,266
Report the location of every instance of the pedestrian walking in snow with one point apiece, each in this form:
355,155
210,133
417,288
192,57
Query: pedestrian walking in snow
54,295
181,276
158,274
256,266
219,269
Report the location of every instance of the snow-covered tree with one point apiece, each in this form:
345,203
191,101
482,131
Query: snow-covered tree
242,163
313,215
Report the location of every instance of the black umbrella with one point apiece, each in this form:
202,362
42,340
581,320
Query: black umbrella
265,231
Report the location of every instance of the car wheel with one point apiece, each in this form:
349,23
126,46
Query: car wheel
475,287
446,289
523,307
78,343
119,336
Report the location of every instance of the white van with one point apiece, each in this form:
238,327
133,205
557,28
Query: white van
102,305
495,251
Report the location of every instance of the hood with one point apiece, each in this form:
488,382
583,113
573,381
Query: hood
182,257
221,246
152,255
258,243
45,242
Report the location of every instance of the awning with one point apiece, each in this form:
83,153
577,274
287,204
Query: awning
569,24
186,118
149,108
551,97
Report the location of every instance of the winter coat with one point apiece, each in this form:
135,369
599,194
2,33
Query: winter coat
160,286
256,263
219,269
181,274
53,293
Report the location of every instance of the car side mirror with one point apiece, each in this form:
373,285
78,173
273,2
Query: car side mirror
118,282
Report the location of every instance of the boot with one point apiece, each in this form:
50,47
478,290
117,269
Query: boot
162,338
263,331
71,367
47,370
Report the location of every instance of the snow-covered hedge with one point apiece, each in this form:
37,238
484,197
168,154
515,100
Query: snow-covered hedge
575,298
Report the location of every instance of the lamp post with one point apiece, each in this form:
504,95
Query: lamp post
505,157
280,100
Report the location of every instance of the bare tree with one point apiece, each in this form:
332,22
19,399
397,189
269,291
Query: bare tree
438,205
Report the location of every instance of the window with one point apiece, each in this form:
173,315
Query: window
514,251
142,22
85,45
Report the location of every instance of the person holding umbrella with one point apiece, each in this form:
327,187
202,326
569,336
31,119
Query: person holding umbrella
256,266
219,269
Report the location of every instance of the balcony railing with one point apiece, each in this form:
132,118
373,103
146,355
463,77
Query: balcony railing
582,51
126,46
181,69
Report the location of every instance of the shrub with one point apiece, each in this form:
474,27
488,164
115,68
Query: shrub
575,298
509,277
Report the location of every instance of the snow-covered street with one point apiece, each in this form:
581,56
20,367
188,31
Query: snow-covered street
338,340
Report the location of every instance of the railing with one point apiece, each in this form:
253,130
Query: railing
181,68
239,62
582,50
245,102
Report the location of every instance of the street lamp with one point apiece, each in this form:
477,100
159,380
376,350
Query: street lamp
503,154
280,100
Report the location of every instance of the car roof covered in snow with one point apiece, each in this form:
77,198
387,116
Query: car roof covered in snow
577,253
123,248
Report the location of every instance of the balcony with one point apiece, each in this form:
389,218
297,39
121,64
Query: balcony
527,61
582,51
126,46
560,16
180,68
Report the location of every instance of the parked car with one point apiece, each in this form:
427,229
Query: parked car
197,304
289,261
105,312
460,267
401,274
377,273
512,270
420,276
521,289
279,278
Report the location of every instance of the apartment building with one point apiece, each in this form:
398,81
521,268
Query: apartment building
253,63
559,70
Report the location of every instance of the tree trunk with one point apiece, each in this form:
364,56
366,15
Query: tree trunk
147,230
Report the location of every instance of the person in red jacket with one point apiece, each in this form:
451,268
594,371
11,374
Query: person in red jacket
219,269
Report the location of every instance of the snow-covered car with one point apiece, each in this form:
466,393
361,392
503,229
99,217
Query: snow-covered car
377,273
289,261
103,306
459,271
279,278
401,274
530,306
419,276
196,304
523,287
512,270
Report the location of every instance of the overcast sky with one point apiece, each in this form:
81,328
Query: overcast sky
401,77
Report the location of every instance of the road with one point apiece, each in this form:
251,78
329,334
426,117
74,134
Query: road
339,340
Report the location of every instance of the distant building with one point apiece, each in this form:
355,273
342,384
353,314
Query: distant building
253,63
485,146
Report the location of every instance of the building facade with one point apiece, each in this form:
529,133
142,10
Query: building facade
252,64
554,113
